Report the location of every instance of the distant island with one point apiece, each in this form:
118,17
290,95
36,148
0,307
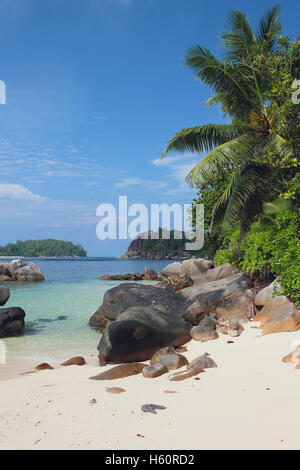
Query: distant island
144,247
43,248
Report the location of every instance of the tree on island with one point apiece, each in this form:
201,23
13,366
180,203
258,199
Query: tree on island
45,248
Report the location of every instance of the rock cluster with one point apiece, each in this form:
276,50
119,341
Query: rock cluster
147,275
162,362
16,270
193,301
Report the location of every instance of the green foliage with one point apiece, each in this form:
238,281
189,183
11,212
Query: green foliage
208,195
268,249
252,83
46,248
171,246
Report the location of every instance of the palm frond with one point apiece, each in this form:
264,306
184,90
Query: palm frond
229,154
277,206
238,39
234,84
279,146
244,188
224,198
202,138
268,24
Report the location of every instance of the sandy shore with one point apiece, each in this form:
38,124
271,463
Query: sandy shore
251,401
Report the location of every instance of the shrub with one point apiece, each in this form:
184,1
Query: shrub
272,248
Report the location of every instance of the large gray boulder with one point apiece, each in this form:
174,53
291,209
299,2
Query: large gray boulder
239,306
140,320
11,322
172,270
195,268
4,295
118,299
221,272
211,293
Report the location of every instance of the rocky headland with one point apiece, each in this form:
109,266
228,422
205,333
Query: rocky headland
146,247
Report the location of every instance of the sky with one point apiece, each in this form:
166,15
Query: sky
94,90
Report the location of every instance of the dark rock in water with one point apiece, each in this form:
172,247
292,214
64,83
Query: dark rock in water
119,372
4,295
75,361
151,372
205,331
123,277
146,319
151,408
169,358
44,366
11,322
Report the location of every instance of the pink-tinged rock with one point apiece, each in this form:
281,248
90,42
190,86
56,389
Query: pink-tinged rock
75,361
279,315
119,372
44,366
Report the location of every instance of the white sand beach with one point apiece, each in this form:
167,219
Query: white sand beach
251,401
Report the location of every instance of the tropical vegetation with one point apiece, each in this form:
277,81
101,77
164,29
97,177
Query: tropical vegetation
253,158
45,248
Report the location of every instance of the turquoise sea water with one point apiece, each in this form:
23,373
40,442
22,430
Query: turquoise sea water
58,309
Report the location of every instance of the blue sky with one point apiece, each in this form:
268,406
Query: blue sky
95,88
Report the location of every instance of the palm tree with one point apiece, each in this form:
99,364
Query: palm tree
241,92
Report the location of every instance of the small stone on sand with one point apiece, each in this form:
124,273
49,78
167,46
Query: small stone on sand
116,390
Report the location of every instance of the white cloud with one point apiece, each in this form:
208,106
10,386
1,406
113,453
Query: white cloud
17,191
132,182
126,182
42,161
168,161
178,167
